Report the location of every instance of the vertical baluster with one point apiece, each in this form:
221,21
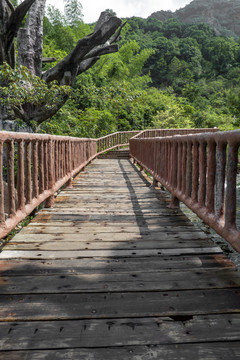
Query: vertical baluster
174,174
63,159
69,183
220,179
45,145
184,167
50,200
179,176
41,166
195,181
2,214
169,161
211,173
202,174
230,208
35,168
20,175
28,175
56,160
189,170
10,176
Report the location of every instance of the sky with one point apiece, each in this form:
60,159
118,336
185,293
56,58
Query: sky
123,8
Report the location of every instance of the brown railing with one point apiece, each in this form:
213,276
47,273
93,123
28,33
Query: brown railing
171,132
199,170
115,140
34,168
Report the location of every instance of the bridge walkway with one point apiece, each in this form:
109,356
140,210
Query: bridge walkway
110,272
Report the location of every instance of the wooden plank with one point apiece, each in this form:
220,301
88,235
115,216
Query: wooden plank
119,282
118,332
111,253
175,304
50,228
105,227
207,351
111,265
61,244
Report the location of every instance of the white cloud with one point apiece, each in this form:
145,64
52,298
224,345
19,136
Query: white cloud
123,8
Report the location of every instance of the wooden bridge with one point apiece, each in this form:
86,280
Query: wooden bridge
114,270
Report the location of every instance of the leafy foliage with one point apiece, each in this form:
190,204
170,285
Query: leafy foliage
165,74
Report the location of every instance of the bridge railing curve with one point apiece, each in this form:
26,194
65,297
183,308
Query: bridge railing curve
35,166
198,169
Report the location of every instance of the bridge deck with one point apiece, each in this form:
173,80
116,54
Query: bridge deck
112,273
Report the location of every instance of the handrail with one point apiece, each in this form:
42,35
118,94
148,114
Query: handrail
170,132
115,140
200,170
36,166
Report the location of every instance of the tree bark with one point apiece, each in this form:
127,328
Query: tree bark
10,21
30,39
30,45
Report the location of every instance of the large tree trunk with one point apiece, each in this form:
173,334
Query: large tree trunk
10,21
30,41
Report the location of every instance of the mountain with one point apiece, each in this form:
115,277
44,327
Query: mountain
222,15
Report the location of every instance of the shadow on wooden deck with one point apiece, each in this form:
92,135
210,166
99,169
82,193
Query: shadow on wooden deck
112,273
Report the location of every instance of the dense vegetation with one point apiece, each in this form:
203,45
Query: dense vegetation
165,75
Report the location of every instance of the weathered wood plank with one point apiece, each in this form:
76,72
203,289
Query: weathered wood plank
175,304
119,282
111,253
111,273
112,236
111,265
60,245
207,351
50,228
118,332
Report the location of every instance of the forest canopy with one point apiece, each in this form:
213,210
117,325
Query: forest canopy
165,74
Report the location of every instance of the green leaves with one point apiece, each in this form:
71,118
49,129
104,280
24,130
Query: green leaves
19,88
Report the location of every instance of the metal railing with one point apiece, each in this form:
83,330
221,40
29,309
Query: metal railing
200,170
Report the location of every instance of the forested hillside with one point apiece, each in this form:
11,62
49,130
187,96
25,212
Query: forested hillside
221,15
165,74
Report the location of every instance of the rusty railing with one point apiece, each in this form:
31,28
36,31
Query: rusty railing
199,170
34,168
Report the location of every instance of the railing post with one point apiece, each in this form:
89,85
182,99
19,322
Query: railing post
10,177
28,175
35,168
195,172
230,212
50,200
20,175
69,146
211,173
41,166
220,179
189,170
2,214
174,204
202,174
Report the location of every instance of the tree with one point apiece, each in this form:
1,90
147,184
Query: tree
85,54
